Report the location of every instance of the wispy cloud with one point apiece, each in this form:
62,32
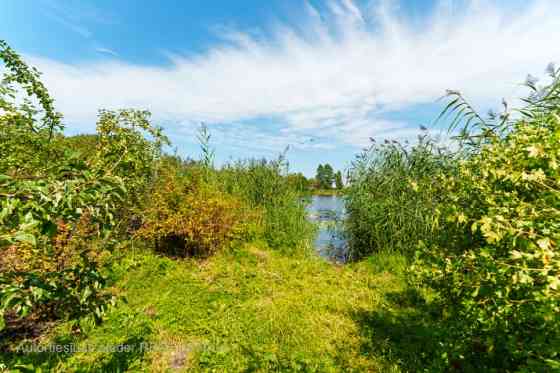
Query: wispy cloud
247,136
70,24
76,16
106,51
337,77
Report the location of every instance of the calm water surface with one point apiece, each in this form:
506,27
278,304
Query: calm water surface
328,212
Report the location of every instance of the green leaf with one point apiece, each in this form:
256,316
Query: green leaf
85,294
25,237
50,229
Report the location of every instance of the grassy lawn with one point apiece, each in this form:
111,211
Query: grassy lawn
249,309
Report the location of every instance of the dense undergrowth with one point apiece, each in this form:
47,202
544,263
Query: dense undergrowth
480,226
69,202
393,197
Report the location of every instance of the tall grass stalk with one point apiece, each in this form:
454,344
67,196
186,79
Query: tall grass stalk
264,185
393,199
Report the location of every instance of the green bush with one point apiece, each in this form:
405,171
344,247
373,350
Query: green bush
500,289
59,212
188,216
195,209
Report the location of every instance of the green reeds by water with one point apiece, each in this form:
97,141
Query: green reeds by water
264,185
393,196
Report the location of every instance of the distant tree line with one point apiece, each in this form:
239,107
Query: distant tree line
327,178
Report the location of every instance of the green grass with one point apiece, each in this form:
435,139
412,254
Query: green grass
248,309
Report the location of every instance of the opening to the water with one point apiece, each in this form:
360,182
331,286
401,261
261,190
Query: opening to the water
328,213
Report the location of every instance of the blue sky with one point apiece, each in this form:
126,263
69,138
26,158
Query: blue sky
319,76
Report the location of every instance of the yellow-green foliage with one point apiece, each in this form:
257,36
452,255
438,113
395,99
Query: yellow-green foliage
501,286
188,216
265,186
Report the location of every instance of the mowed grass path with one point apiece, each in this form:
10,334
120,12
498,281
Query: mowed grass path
247,309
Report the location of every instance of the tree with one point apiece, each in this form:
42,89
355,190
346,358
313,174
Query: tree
58,207
338,180
328,177
319,176
325,176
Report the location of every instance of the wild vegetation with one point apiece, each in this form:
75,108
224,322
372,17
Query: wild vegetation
393,196
124,258
69,202
265,186
60,214
484,222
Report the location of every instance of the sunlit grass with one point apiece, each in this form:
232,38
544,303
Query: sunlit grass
248,308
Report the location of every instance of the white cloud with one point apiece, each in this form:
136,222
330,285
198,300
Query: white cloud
338,76
245,136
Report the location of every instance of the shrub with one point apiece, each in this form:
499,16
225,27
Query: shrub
188,216
501,288
59,212
46,231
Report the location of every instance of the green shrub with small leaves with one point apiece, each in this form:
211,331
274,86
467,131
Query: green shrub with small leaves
60,212
500,288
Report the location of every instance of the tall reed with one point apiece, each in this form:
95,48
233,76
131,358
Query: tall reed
265,186
393,199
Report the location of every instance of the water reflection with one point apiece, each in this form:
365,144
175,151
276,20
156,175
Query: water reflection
328,212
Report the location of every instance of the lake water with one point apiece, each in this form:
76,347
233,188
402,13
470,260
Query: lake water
328,212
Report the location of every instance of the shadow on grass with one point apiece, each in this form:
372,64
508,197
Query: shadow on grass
405,332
